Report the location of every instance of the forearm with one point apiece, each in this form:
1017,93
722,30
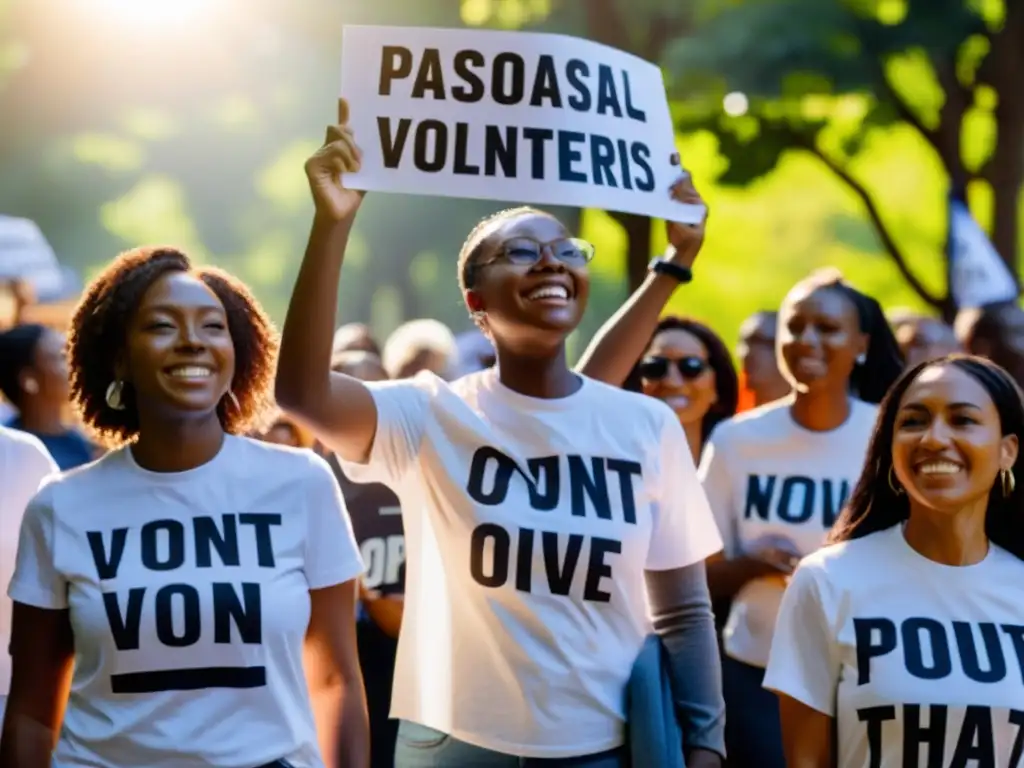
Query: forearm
303,371
24,742
342,724
386,613
621,341
681,611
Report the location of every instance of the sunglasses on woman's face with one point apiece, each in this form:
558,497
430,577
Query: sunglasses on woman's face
656,368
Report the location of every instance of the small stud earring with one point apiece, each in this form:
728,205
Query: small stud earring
114,398
31,386
862,358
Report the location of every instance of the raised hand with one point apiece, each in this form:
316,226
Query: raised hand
687,239
328,165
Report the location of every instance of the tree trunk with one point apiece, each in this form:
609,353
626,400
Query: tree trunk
638,249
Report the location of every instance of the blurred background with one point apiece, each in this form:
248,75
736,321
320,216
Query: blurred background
821,132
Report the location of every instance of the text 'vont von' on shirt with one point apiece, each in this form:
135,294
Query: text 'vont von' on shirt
529,524
769,479
920,663
189,602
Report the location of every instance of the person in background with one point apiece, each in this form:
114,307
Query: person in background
689,368
778,476
995,331
194,590
763,382
34,378
496,661
474,352
24,463
420,345
377,523
877,656
355,337
923,338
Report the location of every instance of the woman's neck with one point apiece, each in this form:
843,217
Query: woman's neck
177,445
821,410
547,377
958,539
41,418
695,438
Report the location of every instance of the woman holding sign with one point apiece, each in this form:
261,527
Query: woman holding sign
905,636
195,589
543,509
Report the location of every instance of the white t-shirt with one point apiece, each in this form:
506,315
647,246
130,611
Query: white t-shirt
529,524
24,462
921,664
771,482
189,600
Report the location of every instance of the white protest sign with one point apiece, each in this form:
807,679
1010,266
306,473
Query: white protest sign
518,116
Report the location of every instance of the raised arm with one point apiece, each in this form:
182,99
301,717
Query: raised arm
338,408
617,346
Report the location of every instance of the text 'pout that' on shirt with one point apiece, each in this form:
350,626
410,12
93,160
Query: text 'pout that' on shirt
770,481
189,600
921,664
529,524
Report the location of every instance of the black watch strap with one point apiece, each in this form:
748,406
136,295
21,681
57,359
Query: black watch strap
662,266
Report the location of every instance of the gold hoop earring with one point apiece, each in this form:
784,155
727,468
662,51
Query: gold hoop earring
897,489
1008,480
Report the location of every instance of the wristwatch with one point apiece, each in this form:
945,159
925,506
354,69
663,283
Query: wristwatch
662,266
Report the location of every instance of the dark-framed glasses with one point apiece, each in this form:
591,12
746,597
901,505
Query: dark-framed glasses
656,368
525,251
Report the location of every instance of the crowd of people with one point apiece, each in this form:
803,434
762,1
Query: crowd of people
226,548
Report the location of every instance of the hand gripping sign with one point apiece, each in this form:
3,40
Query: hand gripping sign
526,117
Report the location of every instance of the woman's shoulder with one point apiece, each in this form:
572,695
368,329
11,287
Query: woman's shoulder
853,558
764,420
257,457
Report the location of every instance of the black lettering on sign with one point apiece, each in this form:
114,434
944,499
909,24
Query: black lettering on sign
537,137
176,609
545,84
928,647
575,70
503,150
429,76
492,473
462,165
602,160
392,145
490,560
634,114
474,89
607,97
568,155
796,500
430,146
624,168
395,64
641,155
508,79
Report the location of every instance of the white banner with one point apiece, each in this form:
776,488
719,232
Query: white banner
517,116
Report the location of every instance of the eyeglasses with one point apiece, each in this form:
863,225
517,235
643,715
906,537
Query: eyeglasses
525,251
656,368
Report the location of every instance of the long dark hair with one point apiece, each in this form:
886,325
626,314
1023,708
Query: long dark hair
727,384
874,506
883,361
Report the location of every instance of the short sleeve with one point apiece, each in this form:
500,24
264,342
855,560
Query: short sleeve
804,660
684,530
36,580
332,555
402,411
717,482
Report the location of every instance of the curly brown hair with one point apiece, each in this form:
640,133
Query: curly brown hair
97,339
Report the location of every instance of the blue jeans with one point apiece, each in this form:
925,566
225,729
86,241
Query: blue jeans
422,747
753,733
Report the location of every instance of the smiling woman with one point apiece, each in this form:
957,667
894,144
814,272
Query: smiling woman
917,606
166,570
